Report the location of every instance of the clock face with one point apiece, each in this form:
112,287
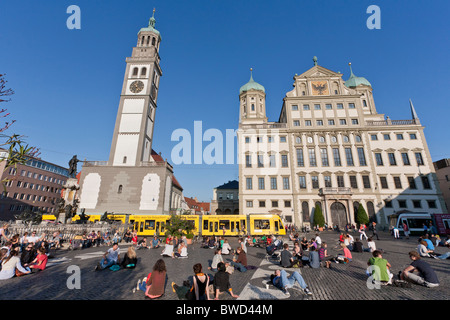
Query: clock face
136,86
319,88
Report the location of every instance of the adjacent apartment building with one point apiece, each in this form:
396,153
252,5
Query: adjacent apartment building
35,185
443,175
330,147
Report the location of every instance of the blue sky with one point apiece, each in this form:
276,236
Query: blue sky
67,82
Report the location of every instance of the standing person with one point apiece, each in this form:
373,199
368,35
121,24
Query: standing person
154,287
222,282
374,230
406,230
283,282
362,231
200,283
425,274
111,257
396,233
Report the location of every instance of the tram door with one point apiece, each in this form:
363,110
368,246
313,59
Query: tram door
232,227
277,227
216,227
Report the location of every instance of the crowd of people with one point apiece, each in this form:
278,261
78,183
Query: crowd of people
22,255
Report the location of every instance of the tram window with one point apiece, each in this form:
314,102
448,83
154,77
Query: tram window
205,225
141,227
262,224
232,226
211,227
417,223
149,224
216,227
224,224
276,226
243,224
162,226
237,226
446,223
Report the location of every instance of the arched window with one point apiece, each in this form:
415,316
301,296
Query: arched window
305,211
135,71
153,41
124,159
371,212
143,72
120,189
148,41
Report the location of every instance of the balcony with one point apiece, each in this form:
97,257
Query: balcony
273,125
389,122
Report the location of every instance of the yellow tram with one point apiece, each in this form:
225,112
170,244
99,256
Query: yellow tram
204,225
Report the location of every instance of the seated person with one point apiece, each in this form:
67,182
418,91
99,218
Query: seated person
379,268
419,272
222,282
111,257
226,248
281,280
40,262
168,250
155,243
287,260
142,244
181,251
358,246
240,262
129,261
314,261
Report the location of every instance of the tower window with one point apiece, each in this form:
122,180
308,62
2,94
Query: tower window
135,71
124,159
253,107
120,189
143,72
153,41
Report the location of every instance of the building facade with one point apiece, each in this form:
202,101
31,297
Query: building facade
226,198
443,175
196,207
331,148
35,186
135,179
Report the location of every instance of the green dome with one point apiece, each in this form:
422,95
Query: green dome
252,85
355,81
151,25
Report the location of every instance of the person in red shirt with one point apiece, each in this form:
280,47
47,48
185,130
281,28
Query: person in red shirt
40,262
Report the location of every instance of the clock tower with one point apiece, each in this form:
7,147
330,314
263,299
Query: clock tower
133,132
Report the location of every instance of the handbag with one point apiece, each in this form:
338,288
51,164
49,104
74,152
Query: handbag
19,273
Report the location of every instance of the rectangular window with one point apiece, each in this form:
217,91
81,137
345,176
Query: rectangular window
327,180
308,123
287,203
249,183
379,159
249,204
340,106
324,157
351,106
373,137
274,204
417,204
286,185
282,138
432,204
392,160
354,121
259,139
340,181
260,161
426,182
412,136
261,184
319,122
294,107
399,136
405,159
262,204
302,182
362,157
300,159
349,156
247,139
306,107
331,122
402,204
296,123
342,122
388,203
273,183
272,161
328,106
397,183
317,107
284,160
419,159
248,161
353,182
269,139
384,183
386,136
312,157
315,182
366,182
412,183
336,157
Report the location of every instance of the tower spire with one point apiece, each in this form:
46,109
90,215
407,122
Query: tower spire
351,71
152,20
413,111
315,60
251,74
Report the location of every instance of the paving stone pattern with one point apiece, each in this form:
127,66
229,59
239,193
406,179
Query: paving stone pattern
341,282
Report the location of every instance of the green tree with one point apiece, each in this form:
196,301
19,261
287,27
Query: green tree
177,226
318,216
361,215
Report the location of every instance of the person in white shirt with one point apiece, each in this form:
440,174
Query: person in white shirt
318,240
371,245
168,250
182,251
111,257
226,247
33,238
